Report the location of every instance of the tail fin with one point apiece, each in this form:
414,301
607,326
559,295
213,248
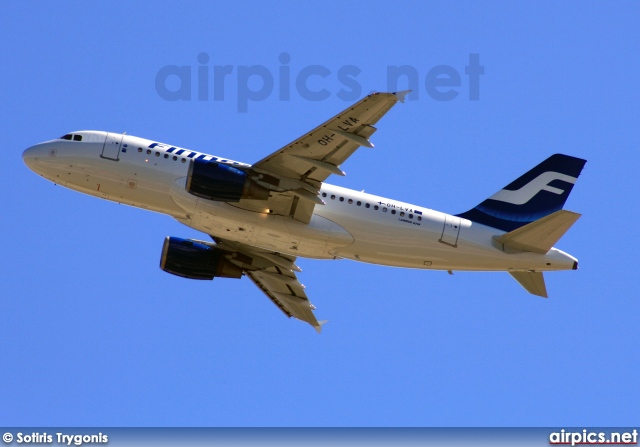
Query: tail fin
541,191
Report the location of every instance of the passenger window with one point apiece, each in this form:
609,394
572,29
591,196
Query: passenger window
401,213
184,160
148,151
175,158
333,197
366,205
384,210
342,199
324,194
166,155
376,207
350,201
77,138
419,218
359,203
139,149
393,211
410,216
157,154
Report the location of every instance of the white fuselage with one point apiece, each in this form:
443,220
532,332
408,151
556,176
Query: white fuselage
351,224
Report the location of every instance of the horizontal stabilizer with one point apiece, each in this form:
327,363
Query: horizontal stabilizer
541,235
533,282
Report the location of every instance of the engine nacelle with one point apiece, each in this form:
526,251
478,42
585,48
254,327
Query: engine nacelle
194,260
223,183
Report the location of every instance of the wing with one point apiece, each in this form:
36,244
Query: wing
293,175
319,153
295,172
274,274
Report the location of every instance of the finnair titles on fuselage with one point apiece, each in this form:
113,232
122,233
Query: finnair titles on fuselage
261,217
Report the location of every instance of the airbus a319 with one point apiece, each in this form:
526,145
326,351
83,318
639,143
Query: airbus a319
261,217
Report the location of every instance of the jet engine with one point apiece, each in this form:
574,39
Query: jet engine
195,260
223,183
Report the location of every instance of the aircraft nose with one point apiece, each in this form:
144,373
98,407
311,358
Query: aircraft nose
35,154
28,156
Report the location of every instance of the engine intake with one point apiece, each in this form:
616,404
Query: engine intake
222,183
194,260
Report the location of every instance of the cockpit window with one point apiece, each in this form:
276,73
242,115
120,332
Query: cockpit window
71,137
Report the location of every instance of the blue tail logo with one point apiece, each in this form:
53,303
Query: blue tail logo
541,191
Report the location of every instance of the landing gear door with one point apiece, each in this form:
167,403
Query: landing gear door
112,144
450,231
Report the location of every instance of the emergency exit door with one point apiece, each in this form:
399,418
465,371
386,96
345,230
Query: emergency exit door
112,144
450,230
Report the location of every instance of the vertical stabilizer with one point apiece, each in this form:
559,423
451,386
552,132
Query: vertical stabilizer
541,191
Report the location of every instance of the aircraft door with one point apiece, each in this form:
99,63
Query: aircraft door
450,230
112,145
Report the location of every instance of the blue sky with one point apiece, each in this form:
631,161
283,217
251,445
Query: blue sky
95,334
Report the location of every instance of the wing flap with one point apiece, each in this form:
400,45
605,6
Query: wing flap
286,295
274,274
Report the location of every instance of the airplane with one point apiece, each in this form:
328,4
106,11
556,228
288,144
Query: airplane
262,217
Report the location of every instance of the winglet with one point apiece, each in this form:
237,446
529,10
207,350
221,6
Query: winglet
319,326
402,94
